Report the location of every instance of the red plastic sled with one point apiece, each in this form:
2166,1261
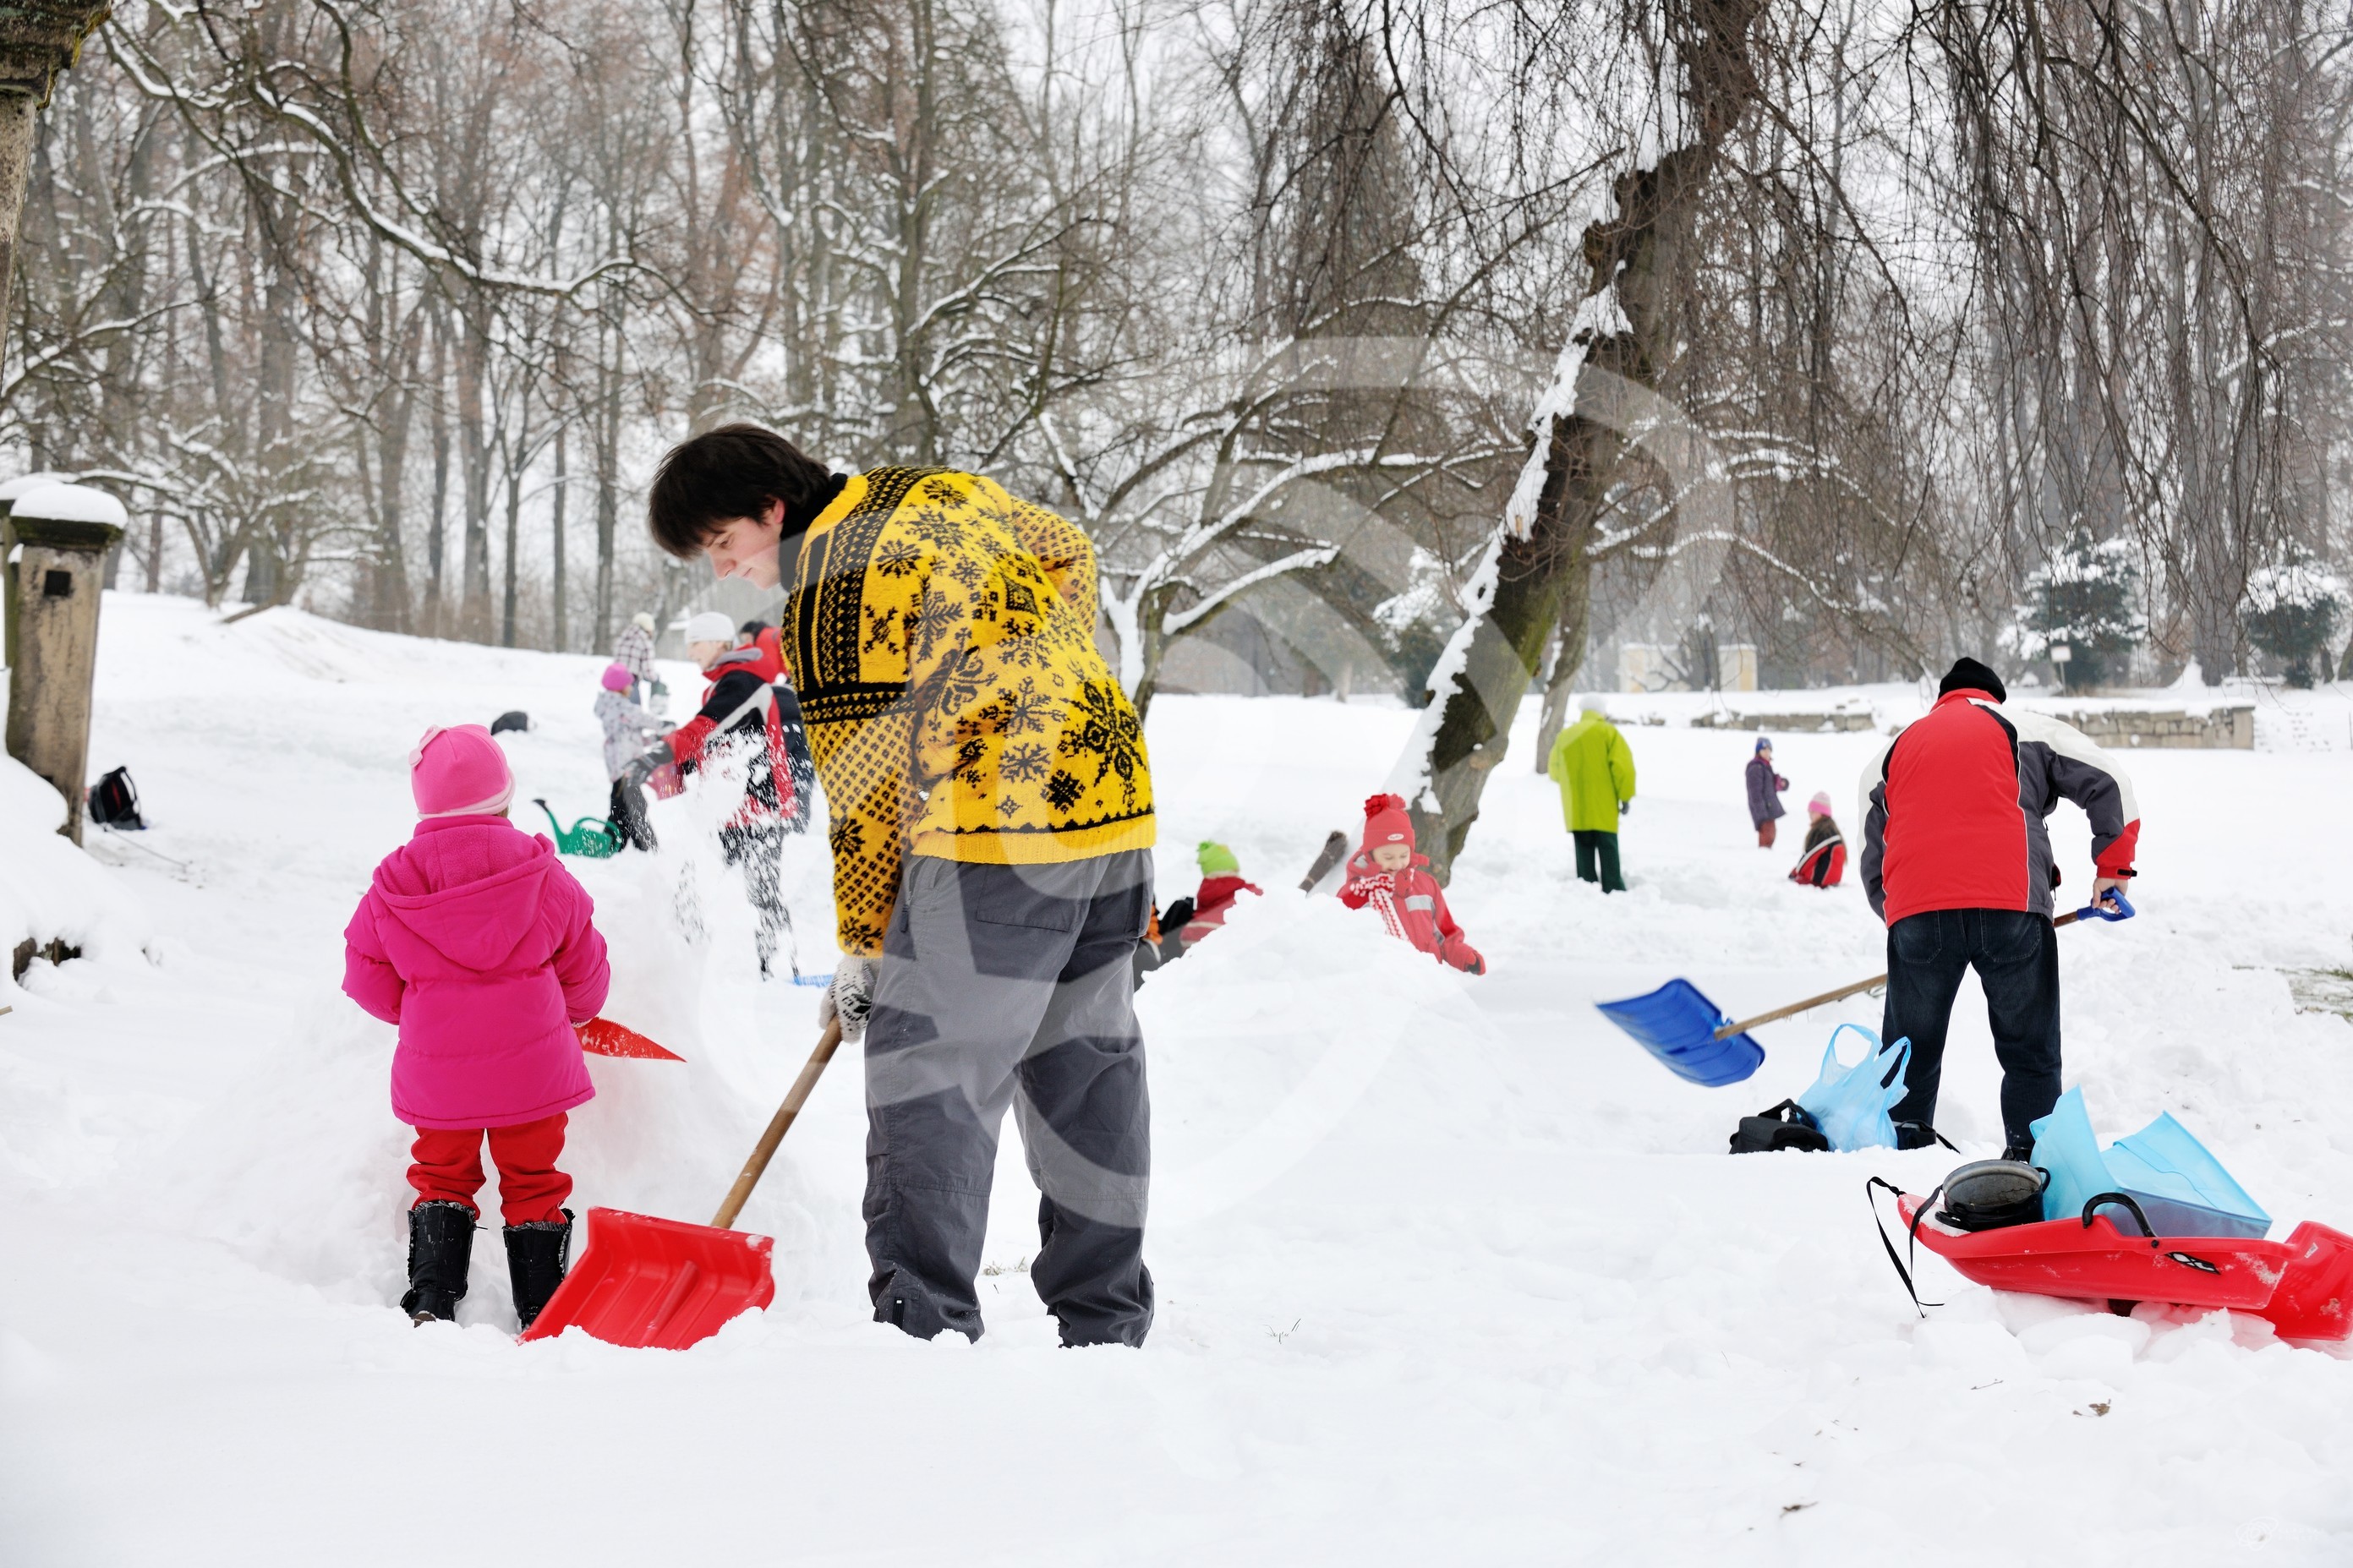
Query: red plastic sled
660,1284
604,1037
2304,1285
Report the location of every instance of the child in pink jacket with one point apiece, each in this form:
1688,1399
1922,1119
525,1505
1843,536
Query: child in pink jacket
1386,874
479,944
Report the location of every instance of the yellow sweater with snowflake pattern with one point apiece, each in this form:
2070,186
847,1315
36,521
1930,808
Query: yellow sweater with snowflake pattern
941,634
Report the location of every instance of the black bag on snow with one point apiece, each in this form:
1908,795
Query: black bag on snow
515,719
114,801
1783,1126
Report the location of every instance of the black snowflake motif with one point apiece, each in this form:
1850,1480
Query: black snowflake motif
936,528
1062,791
969,756
847,836
966,571
1106,729
881,631
1021,709
897,559
1008,808
860,933
943,492
1025,762
932,619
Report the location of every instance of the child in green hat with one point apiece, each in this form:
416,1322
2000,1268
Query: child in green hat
1190,919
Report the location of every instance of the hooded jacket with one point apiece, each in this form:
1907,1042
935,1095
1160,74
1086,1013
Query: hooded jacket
481,947
1595,771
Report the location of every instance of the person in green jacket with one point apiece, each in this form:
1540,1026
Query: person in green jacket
1595,772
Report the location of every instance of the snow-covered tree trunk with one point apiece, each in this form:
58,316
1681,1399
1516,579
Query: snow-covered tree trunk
1622,328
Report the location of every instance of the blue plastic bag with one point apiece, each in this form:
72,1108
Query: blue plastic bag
1851,1103
2178,1183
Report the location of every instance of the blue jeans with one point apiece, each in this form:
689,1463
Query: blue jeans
2016,955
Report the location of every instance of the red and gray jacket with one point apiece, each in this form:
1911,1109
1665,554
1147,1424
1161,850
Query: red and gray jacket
1953,810
1413,906
748,697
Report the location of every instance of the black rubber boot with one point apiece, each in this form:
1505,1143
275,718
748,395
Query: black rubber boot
440,1244
536,1254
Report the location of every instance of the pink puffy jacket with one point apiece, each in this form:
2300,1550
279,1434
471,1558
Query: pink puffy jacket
479,944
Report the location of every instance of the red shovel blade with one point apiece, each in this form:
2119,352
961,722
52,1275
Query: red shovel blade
604,1037
658,1283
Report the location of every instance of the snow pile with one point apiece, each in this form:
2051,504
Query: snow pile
51,892
1447,1269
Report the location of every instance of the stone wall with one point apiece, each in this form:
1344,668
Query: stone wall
2223,727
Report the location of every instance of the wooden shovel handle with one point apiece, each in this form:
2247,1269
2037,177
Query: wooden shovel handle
778,1125
1843,992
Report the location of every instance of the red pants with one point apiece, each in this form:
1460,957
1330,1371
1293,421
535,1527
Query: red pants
449,1168
1765,834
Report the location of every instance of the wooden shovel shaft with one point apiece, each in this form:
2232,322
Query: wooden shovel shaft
778,1125
1843,992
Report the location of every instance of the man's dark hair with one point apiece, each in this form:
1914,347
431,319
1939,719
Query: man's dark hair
733,471
750,630
1969,675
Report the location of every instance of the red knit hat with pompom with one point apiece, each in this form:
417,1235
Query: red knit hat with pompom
1386,822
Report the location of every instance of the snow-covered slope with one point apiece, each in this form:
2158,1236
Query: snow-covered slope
1449,1271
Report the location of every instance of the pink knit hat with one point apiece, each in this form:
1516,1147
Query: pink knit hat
1820,805
459,772
617,678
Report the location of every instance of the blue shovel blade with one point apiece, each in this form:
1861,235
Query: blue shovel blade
1678,1025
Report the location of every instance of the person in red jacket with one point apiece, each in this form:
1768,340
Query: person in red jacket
1386,874
1824,860
1213,901
1956,861
747,704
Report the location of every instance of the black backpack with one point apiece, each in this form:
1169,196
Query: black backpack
1783,1126
114,801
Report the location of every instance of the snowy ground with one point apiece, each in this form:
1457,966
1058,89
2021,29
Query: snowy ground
1448,1270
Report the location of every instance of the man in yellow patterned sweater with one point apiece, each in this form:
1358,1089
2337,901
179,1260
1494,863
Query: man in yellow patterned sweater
991,816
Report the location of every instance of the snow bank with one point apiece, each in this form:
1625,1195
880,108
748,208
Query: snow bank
52,891
1447,1269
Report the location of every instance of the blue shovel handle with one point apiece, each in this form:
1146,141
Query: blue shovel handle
2110,905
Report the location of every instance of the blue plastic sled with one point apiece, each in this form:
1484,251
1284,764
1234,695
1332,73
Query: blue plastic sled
2182,1188
1678,1025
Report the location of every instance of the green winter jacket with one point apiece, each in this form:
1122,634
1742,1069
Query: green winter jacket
1595,771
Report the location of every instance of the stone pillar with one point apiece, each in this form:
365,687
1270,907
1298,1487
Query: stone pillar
63,533
9,491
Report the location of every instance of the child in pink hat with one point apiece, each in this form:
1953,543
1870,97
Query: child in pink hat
628,728
481,948
1824,860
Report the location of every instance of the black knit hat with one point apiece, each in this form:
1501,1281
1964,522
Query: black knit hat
1969,675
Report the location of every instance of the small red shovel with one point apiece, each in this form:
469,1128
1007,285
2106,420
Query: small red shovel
604,1037
664,1284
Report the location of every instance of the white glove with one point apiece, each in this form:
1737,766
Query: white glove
850,997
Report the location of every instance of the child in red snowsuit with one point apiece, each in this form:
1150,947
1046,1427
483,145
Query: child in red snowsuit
1386,874
480,946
